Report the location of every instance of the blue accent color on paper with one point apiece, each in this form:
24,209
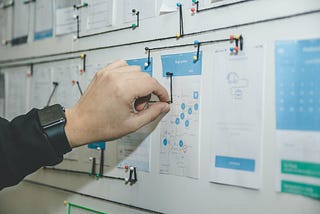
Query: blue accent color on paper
298,85
181,143
43,34
141,62
235,163
181,64
195,95
165,142
196,106
183,106
96,145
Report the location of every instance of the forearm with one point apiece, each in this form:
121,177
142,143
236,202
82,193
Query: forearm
23,148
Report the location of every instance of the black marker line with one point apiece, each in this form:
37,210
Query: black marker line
164,38
39,62
101,162
133,26
80,90
90,196
55,85
170,74
81,172
93,167
77,7
220,6
29,1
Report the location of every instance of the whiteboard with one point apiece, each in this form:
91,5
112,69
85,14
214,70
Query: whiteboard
162,193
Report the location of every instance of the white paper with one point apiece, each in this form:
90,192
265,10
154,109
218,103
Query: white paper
134,150
97,14
41,85
16,91
21,19
43,19
145,7
168,6
179,129
65,22
298,117
66,73
237,117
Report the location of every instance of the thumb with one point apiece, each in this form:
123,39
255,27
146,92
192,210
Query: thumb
151,113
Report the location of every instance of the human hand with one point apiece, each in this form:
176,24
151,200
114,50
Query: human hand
105,111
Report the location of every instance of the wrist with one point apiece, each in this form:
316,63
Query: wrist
71,129
75,131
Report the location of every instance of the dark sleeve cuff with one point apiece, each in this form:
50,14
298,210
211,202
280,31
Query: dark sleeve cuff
57,137
25,148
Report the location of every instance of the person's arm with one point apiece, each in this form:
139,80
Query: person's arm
23,148
105,112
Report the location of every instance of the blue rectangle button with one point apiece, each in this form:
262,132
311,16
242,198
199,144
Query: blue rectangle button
96,145
181,64
235,163
141,62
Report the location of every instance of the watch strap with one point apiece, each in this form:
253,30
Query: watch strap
57,137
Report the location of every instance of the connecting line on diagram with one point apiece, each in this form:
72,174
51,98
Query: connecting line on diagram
85,5
131,179
236,39
267,20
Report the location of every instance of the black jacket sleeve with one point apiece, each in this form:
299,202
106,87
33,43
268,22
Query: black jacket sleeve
24,148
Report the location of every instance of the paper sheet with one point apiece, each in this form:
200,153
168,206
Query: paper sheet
134,150
168,6
21,22
97,15
66,73
16,91
65,22
141,62
145,7
43,19
179,129
298,116
41,85
237,117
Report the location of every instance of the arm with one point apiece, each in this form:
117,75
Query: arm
105,112
23,149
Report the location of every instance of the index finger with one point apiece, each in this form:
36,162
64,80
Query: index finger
147,85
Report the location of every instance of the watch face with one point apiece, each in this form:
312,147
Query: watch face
51,115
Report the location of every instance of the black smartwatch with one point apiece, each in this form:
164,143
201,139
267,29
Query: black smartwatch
53,120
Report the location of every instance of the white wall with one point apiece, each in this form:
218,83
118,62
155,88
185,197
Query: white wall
165,193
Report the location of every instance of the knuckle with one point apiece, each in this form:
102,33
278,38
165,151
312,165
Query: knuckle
136,68
154,81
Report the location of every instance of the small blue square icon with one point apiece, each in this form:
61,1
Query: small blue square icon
195,95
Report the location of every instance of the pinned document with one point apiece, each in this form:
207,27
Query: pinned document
298,116
237,87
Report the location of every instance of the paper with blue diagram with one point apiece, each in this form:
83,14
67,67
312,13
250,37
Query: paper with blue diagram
237,117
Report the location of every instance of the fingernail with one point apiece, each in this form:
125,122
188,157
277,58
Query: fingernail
166,108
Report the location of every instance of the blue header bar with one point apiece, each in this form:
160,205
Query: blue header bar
181,64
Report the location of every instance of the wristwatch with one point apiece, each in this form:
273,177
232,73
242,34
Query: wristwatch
52,120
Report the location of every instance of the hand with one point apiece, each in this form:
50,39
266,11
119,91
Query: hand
105,111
